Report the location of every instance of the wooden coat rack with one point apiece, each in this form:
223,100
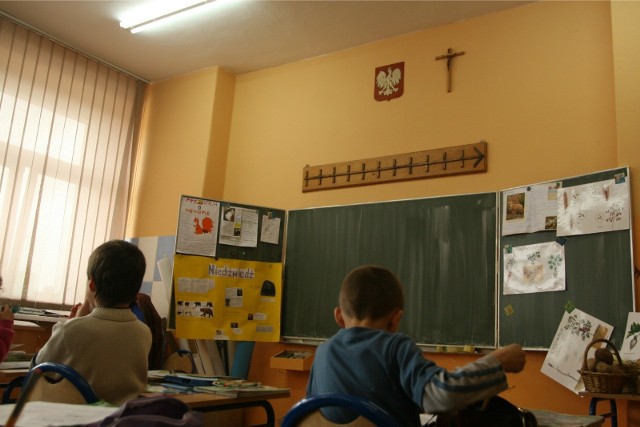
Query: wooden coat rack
462,159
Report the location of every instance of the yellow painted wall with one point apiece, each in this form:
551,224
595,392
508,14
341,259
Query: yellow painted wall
536,83
182,148
626,55
551,86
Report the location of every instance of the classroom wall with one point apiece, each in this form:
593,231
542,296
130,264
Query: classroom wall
551,86
626,57
182,148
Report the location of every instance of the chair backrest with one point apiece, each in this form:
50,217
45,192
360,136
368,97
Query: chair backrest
144,307
12,389
52,382
307,412
180,361
55,382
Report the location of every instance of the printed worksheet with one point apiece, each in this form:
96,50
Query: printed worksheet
593,208
530,209
239,226
197,226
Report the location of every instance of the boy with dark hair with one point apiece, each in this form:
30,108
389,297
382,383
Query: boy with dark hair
368,358
105,342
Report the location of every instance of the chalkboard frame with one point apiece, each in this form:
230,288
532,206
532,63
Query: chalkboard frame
532,319
315,265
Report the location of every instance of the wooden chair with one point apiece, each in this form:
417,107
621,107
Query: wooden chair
307,412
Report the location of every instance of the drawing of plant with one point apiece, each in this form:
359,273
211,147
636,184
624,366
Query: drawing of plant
633,331
533,256
554,263
508,265
614,214
578,327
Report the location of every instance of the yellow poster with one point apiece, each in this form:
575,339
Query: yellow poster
227,299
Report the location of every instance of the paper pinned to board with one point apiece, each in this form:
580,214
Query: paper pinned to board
566,354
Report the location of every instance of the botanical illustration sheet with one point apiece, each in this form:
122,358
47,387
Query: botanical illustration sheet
593,208
530,209
533,268
631,345
197,226
566,355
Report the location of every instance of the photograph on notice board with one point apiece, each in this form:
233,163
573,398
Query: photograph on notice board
565,357
593,208
530,209
533,268
197,226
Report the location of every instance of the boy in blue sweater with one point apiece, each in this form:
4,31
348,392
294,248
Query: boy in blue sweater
370,359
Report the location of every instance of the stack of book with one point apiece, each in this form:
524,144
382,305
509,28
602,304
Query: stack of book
168,382
16,360
238,388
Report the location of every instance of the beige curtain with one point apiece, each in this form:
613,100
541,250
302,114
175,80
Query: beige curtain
66,133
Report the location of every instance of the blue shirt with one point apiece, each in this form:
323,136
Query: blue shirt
390,370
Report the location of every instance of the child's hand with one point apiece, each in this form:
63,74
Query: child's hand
74,310
80,309
5,312
512,357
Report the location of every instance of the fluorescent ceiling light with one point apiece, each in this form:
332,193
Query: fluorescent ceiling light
166,10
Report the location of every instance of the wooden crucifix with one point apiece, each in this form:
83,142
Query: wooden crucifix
449,56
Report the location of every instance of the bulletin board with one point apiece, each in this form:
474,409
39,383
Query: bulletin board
227,274
599,280
443,250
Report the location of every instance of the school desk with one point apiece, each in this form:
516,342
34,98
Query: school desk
6,375
613,412
43,414
207,402
30,336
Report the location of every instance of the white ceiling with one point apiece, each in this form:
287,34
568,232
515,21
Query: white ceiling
240,36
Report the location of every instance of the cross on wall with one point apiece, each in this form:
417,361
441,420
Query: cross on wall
449,57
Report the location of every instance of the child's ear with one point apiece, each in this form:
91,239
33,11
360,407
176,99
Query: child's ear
394,321
337,314
92,285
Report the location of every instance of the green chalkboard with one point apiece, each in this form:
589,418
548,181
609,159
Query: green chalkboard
443,249
599,281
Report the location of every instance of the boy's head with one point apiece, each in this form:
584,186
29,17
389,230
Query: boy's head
116,269
371,294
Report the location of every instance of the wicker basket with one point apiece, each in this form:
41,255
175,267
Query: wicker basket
598,382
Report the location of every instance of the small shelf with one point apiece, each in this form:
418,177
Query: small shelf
294,360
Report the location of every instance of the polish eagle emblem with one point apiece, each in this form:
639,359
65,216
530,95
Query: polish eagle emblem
389,82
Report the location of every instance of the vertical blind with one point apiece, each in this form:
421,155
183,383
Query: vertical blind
66,133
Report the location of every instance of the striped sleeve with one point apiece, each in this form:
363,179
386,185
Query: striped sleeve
452,390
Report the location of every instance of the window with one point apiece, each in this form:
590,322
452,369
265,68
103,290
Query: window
66,133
